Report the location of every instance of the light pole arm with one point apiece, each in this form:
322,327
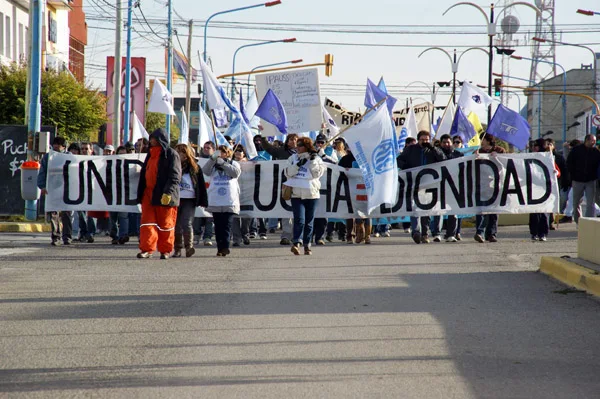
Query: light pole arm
442,50
481,10
469,49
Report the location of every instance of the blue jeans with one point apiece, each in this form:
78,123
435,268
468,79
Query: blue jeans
223,222
87,225
304,217
419,224
487,224
134,224
436,224
272,223
122,219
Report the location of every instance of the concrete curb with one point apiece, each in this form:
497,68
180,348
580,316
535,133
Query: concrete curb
18,227
571,274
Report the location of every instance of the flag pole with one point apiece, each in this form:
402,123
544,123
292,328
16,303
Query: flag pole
212,119
331,140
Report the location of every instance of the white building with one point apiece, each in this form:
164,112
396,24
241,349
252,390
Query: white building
14,27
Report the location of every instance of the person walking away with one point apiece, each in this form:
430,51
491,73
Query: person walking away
60,222
413,156
223,194
538,222
582,164
158,192
192,194
303,171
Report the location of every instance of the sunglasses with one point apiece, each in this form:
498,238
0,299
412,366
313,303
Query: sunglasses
320,142
458,142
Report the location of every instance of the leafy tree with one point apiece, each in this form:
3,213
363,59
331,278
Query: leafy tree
77,110
154,120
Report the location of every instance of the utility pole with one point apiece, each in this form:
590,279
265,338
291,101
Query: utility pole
169,60
127,110
116,133
188,82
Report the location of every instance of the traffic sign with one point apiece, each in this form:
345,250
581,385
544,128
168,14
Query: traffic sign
596,120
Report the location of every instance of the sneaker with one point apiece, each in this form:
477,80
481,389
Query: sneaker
144,255
566,219
349,240
67,242
90,239
220,253
285,241
177,253
263,236
236,244
208,243
451,239
376,235
164,255
457,236
271,231
307,251
123,240
225,251
407,231
114,241
246,240
424,239
55,243
321,242
534,238
189,252
252,235
479,238
437,239
367,240
543,238
416,237
329,238
295,249
492,239
387,234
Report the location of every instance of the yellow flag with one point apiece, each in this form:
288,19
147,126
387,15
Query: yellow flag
474,119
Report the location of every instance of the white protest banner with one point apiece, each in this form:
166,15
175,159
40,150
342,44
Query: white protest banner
506,183
300,96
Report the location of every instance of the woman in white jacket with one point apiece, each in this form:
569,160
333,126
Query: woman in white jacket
223,194
303,172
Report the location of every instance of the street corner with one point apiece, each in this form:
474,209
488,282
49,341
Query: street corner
21,227
568,272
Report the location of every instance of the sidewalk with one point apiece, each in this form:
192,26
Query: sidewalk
24,227
574,272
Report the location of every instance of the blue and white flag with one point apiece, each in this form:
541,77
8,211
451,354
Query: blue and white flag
271,110
409,129
215,96
381,85
445,124
161,100
242,110
374,94
206,132
372,143
473,99
184,131
330,125
509,126
462,127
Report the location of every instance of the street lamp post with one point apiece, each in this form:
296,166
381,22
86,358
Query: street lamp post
491,31
290,40
271,65
564,96
431,91
454,63
594,62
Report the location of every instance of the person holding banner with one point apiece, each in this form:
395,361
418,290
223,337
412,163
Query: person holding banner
158,192
193,194
303,171
223,194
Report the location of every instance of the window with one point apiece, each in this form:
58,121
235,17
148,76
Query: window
7,30
21,43
1,34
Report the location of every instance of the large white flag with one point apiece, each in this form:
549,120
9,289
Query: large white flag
184,131
373,145
137,129
330,125
215,95
473,99
205,129
445,125
161,100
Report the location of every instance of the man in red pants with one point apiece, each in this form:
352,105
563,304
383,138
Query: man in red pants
158,192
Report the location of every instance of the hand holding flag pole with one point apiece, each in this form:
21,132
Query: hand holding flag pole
331,140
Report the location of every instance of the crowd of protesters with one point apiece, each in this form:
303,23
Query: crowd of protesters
172,186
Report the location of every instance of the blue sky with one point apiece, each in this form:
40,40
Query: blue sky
416,26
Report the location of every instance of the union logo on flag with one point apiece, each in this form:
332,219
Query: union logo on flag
477,98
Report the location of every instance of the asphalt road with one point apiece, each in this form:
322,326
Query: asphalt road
393,320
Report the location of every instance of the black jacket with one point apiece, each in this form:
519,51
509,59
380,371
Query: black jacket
414,156
277,153
168,176
199,185
452,153
347,160
564,181
583,163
